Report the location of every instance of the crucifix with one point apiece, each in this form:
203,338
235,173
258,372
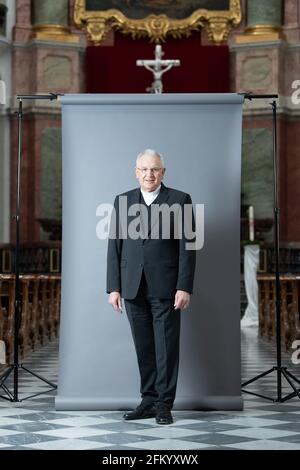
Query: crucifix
158,67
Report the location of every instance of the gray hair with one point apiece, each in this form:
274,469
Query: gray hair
152,153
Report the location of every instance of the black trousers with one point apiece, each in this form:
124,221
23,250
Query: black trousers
155,327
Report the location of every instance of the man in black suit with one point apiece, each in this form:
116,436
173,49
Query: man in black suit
150,266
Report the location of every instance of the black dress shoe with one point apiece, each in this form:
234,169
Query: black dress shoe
141,412
163,415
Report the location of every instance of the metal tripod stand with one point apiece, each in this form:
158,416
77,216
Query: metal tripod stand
15,368
281,371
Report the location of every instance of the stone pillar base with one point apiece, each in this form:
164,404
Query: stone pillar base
53,32
260,33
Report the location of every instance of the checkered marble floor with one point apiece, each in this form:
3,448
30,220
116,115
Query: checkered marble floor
34,423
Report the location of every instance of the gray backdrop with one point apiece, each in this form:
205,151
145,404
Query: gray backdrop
200,137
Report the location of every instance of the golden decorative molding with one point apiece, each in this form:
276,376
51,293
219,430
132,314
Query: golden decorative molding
260,33
54,32
96,24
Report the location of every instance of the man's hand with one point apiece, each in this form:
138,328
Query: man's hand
182,300
115,301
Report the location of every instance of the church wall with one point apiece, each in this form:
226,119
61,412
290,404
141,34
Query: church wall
270,64
43,62
291,157
6,75
257,182
257,173
50,176
35,150
112,68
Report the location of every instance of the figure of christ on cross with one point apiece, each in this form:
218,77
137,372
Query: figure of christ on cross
158,67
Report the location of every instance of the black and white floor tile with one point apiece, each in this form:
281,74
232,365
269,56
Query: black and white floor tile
35,424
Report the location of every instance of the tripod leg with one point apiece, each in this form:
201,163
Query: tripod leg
296,392
6,375
3,379
39,377
7,391
254,380
292,376
259,395
258,377
10,396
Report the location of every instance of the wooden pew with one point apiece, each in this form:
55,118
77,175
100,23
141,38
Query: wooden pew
40,308
289,308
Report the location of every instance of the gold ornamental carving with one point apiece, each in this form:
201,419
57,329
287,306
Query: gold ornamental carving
54,32
260,33
96,24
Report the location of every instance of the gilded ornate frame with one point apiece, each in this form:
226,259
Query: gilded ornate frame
96,24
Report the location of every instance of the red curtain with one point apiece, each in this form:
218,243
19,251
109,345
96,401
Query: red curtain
112,69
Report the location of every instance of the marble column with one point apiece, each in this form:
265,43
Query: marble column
264,18
51,20
50,13
264,12
291,26
22,30
264,22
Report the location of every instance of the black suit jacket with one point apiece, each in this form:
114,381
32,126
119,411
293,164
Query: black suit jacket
167,265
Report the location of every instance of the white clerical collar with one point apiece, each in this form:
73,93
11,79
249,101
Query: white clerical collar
149,197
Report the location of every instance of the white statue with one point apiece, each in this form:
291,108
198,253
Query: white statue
158,67
251,262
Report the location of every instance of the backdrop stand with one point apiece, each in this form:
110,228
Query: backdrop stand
280,370
15,368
